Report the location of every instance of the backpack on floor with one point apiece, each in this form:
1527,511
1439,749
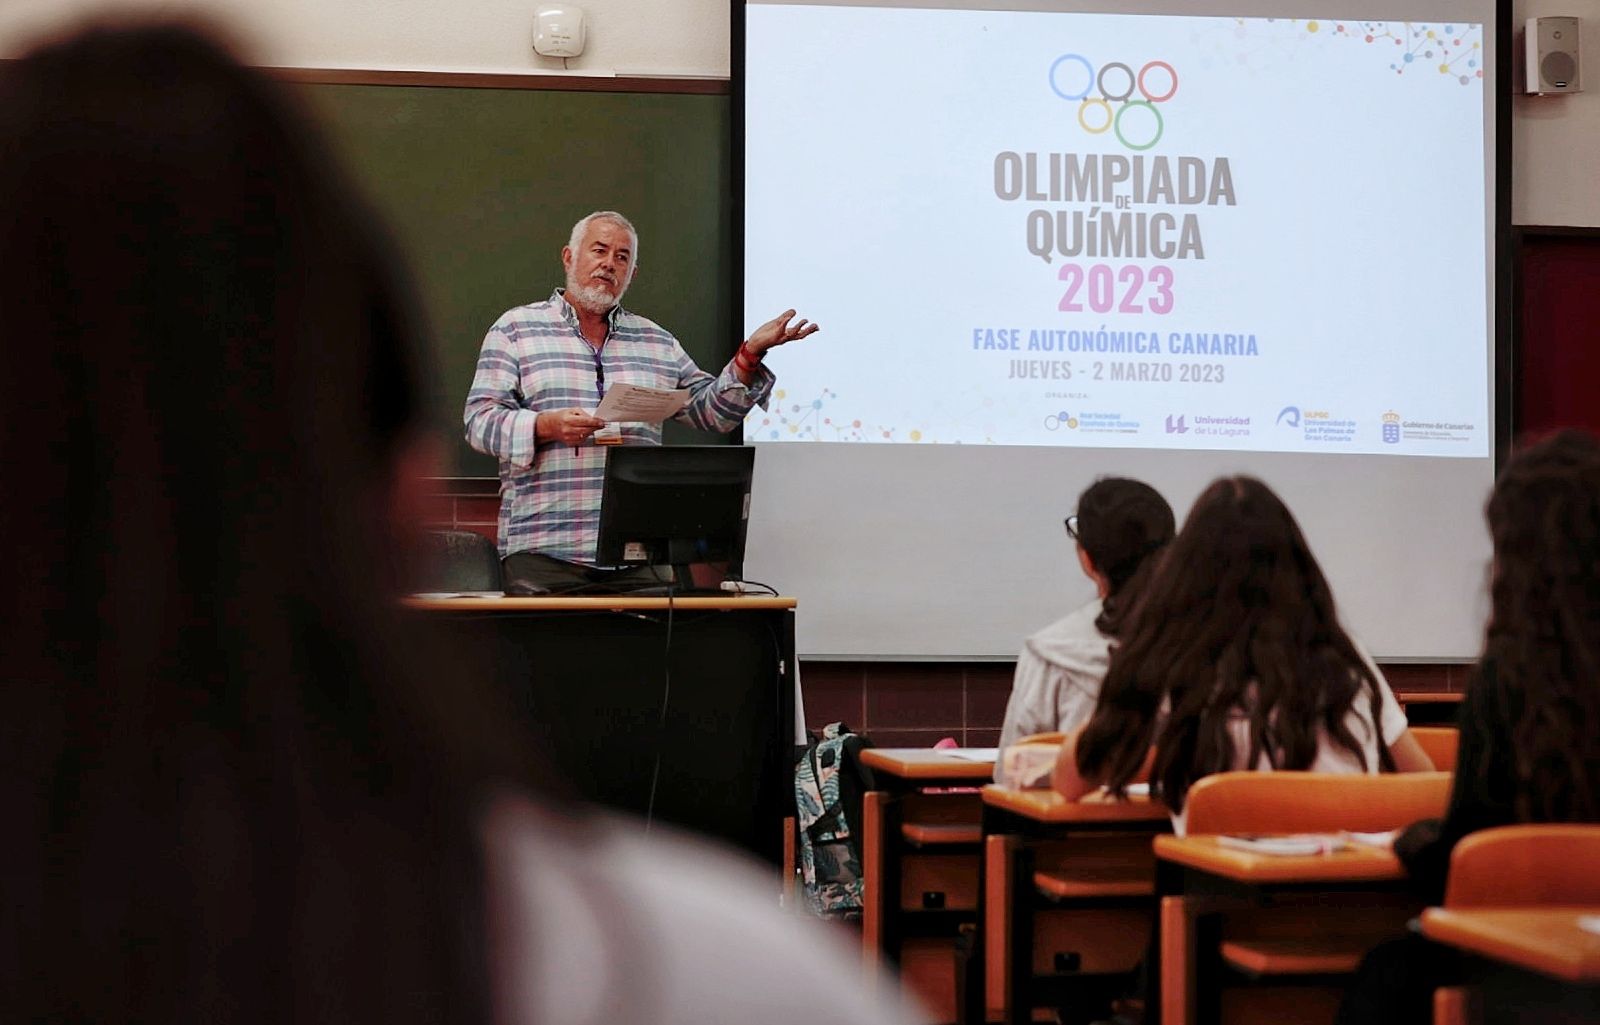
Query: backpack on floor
828,783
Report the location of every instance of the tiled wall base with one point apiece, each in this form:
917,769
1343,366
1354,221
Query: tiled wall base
915,704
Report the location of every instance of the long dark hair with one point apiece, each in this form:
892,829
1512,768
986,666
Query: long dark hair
1541,652
1121,524
235,787
1237,619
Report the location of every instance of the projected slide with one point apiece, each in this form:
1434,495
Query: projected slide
1023,228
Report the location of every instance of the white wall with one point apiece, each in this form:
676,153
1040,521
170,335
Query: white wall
626,37
1556,140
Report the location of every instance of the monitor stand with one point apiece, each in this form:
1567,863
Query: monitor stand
682,586
676,560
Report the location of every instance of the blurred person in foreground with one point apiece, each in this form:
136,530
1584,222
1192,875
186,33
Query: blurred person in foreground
238,785
1530,719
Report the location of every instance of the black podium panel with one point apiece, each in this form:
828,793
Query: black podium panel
700,701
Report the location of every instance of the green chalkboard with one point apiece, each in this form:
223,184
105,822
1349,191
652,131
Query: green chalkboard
481,186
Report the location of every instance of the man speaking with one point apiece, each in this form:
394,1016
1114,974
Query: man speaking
543,367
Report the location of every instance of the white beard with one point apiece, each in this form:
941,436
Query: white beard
595,298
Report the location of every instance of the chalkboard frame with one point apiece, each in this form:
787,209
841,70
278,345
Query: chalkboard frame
660,153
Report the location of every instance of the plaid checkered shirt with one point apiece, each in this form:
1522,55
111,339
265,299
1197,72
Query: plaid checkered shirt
535,359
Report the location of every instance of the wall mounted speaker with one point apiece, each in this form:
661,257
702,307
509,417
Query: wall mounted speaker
1551,48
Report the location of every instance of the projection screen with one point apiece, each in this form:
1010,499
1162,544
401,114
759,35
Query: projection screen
1048,242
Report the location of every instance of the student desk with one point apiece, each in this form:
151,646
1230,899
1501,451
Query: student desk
588,677
1207,877
919,855
1430,708
1553,965
1547,940
1098,867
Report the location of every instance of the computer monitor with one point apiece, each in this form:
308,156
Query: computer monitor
673,505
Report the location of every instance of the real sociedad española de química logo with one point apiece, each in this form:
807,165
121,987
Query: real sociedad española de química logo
1391,428
1137,122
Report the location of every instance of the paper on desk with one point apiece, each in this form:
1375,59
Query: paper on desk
1384,839
974,754
632,403
1131,790
1589,923
1291,844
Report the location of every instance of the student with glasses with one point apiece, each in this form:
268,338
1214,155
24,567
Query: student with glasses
1119,526
1235,659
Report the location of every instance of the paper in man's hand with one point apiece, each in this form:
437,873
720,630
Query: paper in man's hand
631,403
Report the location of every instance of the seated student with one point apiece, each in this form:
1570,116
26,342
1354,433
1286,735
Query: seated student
1530,721
1235,659
238,785
1120,524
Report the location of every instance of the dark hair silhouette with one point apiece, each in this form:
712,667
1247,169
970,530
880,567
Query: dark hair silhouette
1541,653
1121,523
1237,618
236,787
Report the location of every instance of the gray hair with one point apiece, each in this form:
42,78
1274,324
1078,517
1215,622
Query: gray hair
582,226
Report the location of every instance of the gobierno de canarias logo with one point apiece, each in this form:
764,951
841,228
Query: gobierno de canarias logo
1137,121
1391,428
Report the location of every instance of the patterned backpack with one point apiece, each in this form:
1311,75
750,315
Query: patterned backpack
828,784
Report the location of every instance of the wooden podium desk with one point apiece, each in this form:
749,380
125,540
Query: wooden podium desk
589,676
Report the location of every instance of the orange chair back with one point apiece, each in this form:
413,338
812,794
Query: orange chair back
1529,864
1053,737
1440,743
1314,802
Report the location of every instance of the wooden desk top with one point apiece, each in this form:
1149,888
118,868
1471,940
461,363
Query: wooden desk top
1546,940
1354,864
1428,697
598,603
918,763
1049,806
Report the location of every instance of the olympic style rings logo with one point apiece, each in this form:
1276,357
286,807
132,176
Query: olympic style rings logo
1073,78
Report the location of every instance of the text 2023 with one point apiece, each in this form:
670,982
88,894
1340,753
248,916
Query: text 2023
1140,290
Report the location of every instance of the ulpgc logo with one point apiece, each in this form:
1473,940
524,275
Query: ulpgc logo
1136,121
1391,428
